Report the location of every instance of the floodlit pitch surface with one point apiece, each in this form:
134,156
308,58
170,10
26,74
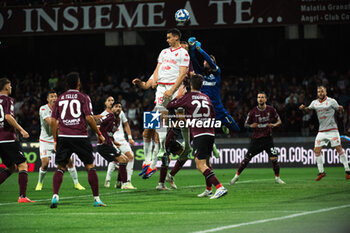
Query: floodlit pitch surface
254,204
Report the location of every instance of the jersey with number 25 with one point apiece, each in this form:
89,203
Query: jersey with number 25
199,107
70,110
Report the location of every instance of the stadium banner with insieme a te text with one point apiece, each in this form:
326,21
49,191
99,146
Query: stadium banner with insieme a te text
290,155
146,15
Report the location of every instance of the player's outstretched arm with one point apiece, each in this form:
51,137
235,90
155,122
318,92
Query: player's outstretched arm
155,76
141,84
14,123
128,132
91,121
304,108
206,56
196,67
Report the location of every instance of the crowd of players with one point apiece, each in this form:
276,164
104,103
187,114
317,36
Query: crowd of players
284,93
72,112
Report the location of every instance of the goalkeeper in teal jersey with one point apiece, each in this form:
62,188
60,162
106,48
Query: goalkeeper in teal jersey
211,84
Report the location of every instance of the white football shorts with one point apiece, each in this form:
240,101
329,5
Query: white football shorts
323,138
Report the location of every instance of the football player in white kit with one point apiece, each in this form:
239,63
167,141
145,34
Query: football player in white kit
325,108
47,144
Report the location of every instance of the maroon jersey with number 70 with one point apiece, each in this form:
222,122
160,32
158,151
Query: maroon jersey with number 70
70,110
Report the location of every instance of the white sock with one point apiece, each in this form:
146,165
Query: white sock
110,170
186,137
319,161
147,149
97,198
154,156
73,173
344,161
41,175
130,169
162,137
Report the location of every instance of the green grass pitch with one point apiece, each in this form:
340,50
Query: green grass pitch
254,204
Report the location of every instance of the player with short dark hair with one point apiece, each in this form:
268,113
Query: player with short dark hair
73,110
261,119
325,108
109,125
47,149
10,149
200,108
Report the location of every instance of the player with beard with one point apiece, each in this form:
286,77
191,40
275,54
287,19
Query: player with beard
325,108
261,119
109,125
11,152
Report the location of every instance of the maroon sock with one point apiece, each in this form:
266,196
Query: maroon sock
208,183
57,180
122,172
4,175
211,178
243,165
93,181
22,181
276,168
178,165
163,172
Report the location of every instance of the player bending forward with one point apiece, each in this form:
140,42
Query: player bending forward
109,125
73,110
325,108
260,119
47,149
199,106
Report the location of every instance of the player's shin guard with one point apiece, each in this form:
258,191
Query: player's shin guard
4,175
41,175
208,184
122,172
211,178
57,180
147,148
22,181
130,169
93,181
154,156
185,132
319,161
74,174
178,165
162,136
276,168
110,170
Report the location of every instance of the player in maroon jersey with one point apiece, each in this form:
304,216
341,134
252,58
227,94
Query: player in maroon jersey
261,119
200,109
109,125
10,150
72,111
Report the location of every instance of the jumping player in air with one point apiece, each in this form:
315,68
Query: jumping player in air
325,108
211,84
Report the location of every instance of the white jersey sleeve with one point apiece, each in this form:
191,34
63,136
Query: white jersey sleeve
45,129
334,104
119,134
312,105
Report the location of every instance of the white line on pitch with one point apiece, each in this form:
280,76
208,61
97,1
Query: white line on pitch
125,191
273,219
